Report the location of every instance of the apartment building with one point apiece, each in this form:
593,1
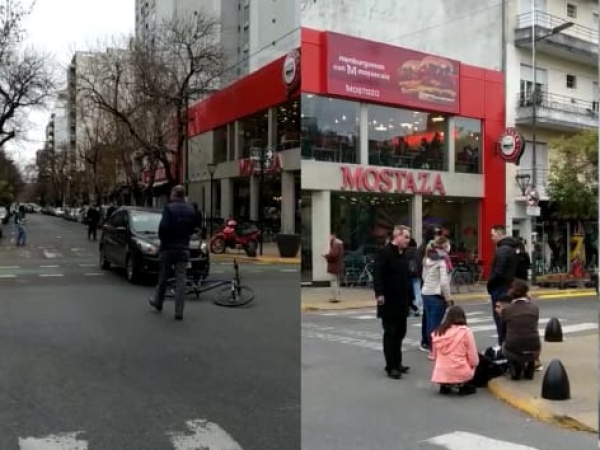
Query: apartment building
565,98
252,32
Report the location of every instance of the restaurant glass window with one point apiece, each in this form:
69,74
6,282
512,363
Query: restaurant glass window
406,138
363,221
254,133
329,129
288,125
220,144
467,145
459,220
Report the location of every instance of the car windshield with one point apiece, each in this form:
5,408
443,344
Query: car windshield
145,223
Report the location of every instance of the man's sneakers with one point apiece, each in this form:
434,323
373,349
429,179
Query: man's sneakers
158,308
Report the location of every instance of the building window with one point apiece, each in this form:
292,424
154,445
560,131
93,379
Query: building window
329,129
288,125
220,144
571,11
571,81
406,138
467,145
254,133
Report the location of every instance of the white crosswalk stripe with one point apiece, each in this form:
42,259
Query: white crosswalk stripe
480,322
200,434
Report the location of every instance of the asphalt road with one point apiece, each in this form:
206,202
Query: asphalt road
83,352
349,404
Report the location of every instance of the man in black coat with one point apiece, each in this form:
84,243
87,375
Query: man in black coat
502,272
393,291
178,223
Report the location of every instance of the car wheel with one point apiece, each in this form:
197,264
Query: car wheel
104,263
131,270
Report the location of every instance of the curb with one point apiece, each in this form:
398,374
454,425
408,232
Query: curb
257,260
536,410
547,296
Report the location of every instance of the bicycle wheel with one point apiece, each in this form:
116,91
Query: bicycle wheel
240,297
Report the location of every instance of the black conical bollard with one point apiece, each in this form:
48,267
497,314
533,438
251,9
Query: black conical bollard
553,331
555,385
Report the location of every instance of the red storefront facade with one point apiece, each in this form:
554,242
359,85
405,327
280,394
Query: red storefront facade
343,68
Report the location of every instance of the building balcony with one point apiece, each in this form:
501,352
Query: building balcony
557,112
577,43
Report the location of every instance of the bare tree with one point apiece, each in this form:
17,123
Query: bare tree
27,77
11,179
147,86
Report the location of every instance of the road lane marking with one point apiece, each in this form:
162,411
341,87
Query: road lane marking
461,440
50,267
48,275
51,255
8,276
87,265
9,267
62,441
93,274
205,436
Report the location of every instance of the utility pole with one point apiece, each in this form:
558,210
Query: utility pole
533,136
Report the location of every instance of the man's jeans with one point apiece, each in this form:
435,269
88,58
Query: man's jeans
495,295
435,308
21,235
178,260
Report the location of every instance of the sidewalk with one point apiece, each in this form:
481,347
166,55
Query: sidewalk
270,256
579,355
317,299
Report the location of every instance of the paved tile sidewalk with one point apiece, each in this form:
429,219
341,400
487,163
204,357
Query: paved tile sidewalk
315,299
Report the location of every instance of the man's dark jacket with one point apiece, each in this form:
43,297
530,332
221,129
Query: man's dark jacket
392,281
504,265
93,217
177,224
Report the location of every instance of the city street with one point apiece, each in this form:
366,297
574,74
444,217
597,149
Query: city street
86,363
348,402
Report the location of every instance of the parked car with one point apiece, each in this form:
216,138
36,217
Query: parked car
129,240
58,212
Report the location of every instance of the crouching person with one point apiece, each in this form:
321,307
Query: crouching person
520,321
454,353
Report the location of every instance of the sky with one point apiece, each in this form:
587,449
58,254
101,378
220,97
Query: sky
59,27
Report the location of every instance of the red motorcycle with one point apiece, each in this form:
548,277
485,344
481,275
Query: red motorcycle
234,236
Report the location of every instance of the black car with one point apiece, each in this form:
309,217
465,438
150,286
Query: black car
130,241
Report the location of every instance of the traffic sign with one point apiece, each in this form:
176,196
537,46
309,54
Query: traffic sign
533,211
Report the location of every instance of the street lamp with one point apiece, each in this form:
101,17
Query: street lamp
212,167
535,97
523,182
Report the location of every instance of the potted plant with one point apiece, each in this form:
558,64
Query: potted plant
288,244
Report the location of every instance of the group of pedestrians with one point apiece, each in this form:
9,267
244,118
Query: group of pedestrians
407,277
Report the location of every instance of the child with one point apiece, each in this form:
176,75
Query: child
455,353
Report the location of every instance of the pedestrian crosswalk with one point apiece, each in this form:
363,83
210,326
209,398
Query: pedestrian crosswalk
200,434
480,322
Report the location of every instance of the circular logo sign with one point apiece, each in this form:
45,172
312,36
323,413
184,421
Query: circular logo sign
511,145
291,70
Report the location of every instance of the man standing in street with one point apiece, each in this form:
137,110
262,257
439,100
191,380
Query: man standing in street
502,272
93,219
178,222
393,292
335,265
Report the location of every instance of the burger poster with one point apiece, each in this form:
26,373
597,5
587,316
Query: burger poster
373,71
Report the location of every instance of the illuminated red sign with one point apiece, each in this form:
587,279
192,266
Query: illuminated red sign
247,166
371,179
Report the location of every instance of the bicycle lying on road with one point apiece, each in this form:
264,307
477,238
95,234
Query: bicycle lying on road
231,293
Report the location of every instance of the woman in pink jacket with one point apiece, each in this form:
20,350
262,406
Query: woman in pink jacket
454,353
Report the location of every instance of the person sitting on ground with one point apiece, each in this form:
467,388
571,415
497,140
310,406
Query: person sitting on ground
454,353
520,321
